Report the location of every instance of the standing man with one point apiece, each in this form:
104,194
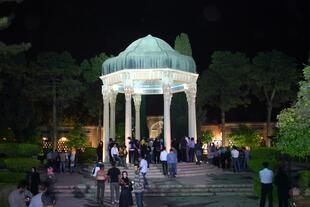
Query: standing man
123,155
183,146
18,197
100,178
143,169
111,144
113,178
138,186
163,160
172,163
265,176
191,145
156,150
132,148
235,159
115,155
62,159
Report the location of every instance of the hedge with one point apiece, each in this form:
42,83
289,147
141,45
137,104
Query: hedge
11,177
19,149
21,164
303,180
264,153
258,156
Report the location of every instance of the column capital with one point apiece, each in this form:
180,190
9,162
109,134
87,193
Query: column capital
167,92
105,93
128,91
191,92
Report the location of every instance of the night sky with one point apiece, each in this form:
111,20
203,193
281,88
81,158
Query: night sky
86,28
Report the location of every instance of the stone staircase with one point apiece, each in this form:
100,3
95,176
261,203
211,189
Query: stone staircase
159,185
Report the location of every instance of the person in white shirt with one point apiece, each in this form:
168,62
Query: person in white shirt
36,201
266,176
163,160
235,159
143,169
115,155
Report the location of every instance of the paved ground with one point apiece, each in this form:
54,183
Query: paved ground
215,201
210,201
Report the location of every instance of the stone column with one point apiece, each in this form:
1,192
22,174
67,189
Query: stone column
128,92
191,100
112,118
106,99
167,128
137,101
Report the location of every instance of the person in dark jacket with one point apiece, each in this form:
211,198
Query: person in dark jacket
100,151
34,181
281,180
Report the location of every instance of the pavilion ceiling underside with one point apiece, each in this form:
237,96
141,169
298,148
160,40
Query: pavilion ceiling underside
149,82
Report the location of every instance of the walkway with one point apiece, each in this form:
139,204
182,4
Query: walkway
209,186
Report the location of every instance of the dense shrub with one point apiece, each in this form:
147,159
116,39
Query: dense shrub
19,150
303,180
245,136
11,177
258,156
2,164
264,153
21,164
89,155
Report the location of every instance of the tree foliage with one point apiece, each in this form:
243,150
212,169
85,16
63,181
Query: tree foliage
183,45
16,106
224,85
245,136
58,78
274,76
294,123
91,71
77,138
207,136
179,126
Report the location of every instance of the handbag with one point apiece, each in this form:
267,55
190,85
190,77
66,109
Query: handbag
130,187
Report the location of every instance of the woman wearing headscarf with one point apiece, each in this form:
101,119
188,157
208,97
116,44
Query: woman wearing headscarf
126,186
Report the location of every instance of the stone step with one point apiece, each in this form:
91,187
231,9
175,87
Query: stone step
165,186
181,190
180,193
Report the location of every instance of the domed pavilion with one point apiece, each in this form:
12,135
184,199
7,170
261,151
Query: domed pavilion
148,66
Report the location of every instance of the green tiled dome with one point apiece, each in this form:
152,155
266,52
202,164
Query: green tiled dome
149,53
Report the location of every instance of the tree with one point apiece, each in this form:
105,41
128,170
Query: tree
183,45
274,75
179,103
92,97
57,82
17,112
207,136
77,138
294,123
245,136
224,85
91,71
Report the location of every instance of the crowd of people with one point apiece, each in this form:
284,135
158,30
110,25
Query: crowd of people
63,161
121,185
186,150
33,193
